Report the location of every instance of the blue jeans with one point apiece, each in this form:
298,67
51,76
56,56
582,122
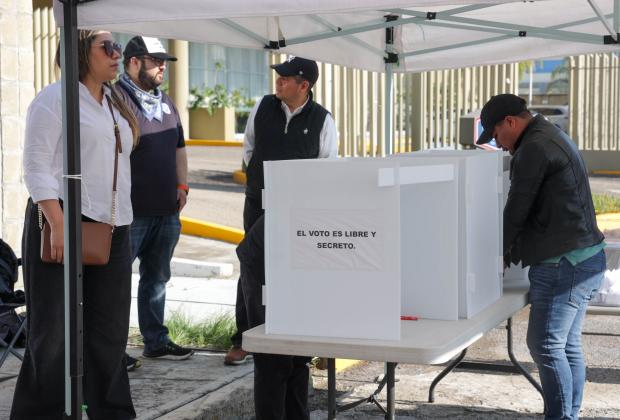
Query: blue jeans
153,240
559,296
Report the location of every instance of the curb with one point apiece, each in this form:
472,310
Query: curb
226,143
239,177
183,267
213,401
605,172
608,221
196,227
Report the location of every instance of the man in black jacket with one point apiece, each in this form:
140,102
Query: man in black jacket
280,381
286,125
549,225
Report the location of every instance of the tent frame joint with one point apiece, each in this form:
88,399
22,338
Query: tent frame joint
392,58
431,15
608,39
522,34
276,45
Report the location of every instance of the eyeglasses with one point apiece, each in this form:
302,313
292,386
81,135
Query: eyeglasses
111,47
157,61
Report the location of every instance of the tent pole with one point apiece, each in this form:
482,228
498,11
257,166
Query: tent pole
601,16
72,214
390,59
389,110
617,16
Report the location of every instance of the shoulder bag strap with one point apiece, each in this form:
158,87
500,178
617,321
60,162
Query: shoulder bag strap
117,149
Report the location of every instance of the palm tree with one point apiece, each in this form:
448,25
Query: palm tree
560,79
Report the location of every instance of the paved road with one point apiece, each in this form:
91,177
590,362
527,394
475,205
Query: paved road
214,196
605,185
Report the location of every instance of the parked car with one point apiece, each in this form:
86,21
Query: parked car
556,114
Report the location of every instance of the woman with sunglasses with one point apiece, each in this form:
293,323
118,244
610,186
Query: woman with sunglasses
40,390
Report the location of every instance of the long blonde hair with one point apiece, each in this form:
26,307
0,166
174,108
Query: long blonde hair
85,41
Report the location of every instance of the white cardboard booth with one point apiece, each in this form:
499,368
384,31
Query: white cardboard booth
353,244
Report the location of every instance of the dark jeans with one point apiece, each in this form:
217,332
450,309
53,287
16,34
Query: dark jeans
40,389
252,210
280,381
559,296
153,240
280,387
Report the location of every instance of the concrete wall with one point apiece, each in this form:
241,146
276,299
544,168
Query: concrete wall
16,93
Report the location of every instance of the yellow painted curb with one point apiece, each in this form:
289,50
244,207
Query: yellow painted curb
608,221
210,230
239,177
342,364
193,142
606,172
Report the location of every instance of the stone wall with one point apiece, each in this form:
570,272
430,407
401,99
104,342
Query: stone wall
16,93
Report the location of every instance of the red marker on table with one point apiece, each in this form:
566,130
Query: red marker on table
408,318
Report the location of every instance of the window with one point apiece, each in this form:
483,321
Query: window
235,68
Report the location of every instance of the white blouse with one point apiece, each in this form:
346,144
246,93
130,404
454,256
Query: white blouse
43,154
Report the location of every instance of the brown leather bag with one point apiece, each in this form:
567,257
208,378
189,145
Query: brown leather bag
96,237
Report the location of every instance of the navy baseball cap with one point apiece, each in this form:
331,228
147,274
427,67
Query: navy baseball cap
495,110
297,66
139,46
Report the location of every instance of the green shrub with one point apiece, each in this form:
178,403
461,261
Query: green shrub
605,203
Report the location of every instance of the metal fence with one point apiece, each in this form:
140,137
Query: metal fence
46,38
594,96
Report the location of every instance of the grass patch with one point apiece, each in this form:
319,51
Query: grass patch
213,333
604,203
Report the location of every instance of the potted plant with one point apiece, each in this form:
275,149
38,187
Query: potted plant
212,111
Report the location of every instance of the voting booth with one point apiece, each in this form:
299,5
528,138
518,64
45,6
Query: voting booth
353,244
478,235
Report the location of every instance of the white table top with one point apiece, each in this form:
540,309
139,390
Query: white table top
424,341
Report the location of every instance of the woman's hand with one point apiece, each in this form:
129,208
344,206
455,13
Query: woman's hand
53,215
57,241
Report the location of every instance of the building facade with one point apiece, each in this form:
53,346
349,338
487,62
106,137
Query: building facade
16,93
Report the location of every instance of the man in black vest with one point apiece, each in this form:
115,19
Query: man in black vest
287,125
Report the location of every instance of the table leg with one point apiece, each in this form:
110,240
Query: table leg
390,373
331,389
518,365
448,369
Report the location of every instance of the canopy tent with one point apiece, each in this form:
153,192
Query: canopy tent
401,36
428,35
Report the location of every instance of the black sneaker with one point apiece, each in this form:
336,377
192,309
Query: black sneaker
132,363
170,351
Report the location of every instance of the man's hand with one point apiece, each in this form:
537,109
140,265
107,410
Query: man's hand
181,199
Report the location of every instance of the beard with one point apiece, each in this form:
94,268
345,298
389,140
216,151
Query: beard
145,81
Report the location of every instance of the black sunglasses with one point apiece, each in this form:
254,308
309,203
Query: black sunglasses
111,47
157,61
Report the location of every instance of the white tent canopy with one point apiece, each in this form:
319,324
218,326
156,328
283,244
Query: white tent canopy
427,34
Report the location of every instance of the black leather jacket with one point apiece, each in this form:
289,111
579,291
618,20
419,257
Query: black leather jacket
549,209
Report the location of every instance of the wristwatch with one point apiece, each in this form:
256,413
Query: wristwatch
183,187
